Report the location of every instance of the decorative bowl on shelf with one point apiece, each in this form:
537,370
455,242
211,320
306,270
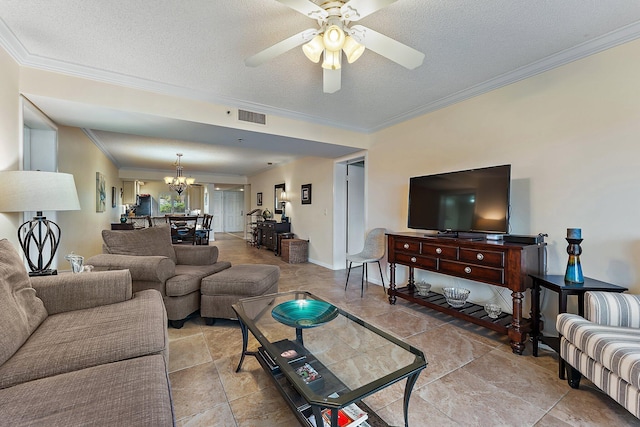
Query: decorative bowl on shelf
456,297
304,313
493,310
423,288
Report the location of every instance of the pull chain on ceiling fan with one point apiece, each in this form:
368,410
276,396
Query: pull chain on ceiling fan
334,36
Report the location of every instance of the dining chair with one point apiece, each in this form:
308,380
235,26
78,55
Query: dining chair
373,251
183,229
202,234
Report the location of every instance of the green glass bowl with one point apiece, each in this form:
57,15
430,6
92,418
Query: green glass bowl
304,313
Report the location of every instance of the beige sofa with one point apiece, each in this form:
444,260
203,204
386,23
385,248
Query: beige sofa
174,270
80,349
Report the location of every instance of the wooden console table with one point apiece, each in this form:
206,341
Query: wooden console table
507,265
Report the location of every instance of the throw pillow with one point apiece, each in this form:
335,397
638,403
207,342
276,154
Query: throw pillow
21,311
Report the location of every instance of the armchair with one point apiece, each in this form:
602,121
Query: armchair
174,270
605,346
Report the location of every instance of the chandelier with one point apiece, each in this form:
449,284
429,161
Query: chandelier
178,183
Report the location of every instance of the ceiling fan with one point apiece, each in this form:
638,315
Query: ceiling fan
335,35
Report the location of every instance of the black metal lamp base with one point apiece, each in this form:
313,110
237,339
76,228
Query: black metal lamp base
47,272
39,240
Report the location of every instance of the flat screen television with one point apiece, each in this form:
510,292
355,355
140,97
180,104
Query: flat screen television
475,200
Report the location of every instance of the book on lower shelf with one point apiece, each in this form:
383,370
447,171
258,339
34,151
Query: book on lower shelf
349,416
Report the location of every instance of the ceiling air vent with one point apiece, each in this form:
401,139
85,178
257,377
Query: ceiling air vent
250,116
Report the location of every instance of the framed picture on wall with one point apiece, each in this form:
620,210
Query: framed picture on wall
101,192
305,194
113,197
259,199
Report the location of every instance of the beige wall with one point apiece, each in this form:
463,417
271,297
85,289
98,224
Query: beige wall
10,131
81,229
308,222
571,136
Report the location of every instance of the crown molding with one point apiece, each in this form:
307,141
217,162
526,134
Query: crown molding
98,143
583,50
11,44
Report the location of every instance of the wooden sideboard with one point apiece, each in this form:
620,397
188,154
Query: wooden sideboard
507,265
269,234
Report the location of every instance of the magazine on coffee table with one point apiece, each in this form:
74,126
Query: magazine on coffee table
291,350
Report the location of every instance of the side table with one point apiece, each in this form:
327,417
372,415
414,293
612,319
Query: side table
557,284
280,237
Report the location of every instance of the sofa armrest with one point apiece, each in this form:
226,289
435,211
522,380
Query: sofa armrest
613,309
69,292
196,255
142,268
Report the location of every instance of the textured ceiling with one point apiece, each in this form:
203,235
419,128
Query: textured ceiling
197,48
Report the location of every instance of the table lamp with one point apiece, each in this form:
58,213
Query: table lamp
29,191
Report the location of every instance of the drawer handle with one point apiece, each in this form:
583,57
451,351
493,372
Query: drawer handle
480,257
413,259
438,251
406,246
467,270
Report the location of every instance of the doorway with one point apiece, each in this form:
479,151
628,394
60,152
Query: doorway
228,208
349,209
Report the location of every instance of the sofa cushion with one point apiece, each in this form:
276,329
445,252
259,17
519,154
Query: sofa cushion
21,311
152,241
188,277
79,339
614,347
131,392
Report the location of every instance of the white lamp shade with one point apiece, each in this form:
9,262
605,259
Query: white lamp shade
313,49
352,49
27,191
332,60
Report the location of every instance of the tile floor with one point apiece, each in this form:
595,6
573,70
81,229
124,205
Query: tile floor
472,378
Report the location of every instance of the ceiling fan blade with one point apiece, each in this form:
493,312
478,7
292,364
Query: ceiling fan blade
280,48
400,53
355,10
331,80
307,8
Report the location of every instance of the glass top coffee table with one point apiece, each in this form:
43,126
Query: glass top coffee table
323,358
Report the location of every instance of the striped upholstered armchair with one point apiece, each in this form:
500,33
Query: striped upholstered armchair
605,347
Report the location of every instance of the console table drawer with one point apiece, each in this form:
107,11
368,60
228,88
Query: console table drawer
440,251
417,261
473,272
488,258
407,246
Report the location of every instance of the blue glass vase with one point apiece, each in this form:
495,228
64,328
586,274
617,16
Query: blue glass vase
574,269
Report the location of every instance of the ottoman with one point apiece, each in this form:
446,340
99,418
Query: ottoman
221,290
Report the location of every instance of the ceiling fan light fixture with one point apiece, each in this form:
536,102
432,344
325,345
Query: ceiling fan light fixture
313,50
352,49
333,38
332,59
